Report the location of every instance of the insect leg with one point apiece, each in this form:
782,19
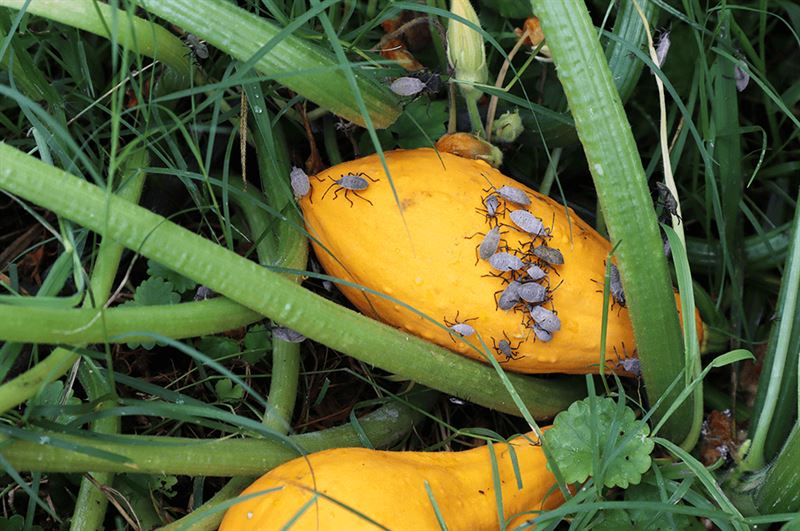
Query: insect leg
361,197
328,190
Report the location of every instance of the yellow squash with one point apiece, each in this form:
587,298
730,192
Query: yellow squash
390,488
424,254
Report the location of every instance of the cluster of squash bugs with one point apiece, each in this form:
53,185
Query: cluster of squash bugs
524,271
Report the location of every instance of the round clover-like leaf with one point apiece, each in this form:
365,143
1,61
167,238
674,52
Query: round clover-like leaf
623,444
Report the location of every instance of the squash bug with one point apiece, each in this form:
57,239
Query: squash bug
662,48
628,364
488,245
197,47
300,183
460,327
536,272
545,319
667,200
509,297
529,223
551,255
617,293
512,195
505,348
492,208
541,334
515,195
742,78
204,293
532,292
506,262
349,183
287,334
407,86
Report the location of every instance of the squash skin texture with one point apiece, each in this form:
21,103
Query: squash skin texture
424,259
389,488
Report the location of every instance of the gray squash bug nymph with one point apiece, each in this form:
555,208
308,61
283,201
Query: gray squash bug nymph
541,334
536,272
489,244
512,195
515,195
287,334
528,223
197,47
551,255
204,293
505,348
407,86
545,319
350,184
742,78
667,200
492,203
662,48
492,208
300,183
532,292
631,365
628,364
460,327
509,297
506,262
617,293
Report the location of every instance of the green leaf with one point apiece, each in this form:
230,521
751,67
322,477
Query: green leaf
228,392
179,282
164,485
256,343
624,448
421,123
152,292
217,347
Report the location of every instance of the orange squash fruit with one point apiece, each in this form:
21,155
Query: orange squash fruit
423,255
389,488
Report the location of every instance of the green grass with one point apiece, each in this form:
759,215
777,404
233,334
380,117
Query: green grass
109,366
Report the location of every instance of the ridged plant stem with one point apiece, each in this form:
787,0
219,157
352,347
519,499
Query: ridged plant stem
217,457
